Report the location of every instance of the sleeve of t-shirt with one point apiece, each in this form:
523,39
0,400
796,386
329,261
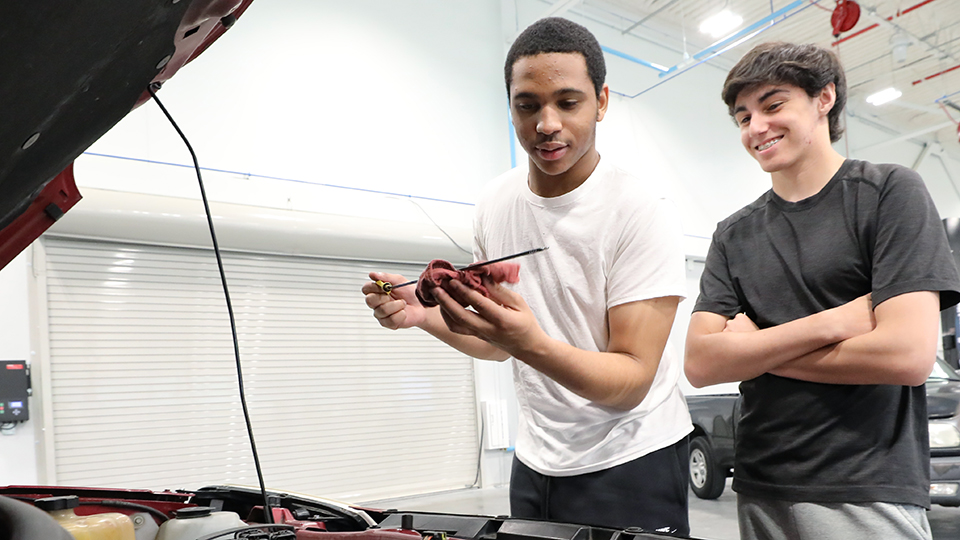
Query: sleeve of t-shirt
718,293
649,261
911,252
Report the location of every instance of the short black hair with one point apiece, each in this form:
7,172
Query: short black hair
558,35
806,66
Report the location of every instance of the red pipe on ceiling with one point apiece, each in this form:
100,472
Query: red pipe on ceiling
939,73
871,27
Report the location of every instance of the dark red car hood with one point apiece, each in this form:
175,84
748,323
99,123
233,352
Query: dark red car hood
71,71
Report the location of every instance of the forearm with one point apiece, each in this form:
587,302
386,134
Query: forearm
615,379
714,356
901,350
619,378
862,360
468,345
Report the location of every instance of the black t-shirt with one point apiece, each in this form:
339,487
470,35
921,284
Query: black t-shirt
872,228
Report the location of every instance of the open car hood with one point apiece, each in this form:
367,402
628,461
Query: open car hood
71,71
296,517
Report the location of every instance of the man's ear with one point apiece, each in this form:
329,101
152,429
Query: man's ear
827,98
602,101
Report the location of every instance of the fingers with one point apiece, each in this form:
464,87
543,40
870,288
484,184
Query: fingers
746,321
372,286
488,308
390,313
394,322
740,323
383,276
374,295
454,325
731,325
458,318
387,309
383,305
502,295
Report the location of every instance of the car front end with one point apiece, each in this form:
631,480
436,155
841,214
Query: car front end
943,411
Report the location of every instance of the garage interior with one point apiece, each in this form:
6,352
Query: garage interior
338,138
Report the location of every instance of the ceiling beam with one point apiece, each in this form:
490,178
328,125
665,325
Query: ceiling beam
903,104
508,7
908,136
924,152
884,21
650,16
560,7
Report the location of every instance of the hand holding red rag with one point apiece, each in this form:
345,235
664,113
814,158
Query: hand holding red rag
439,273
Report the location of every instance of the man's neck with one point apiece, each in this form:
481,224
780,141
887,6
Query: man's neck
546,186
808,176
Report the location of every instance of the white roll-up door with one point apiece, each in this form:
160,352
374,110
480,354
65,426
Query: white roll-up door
144,388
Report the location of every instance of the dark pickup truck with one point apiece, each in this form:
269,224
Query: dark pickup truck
711,443
715,426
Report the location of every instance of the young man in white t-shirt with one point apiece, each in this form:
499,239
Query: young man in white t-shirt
603,426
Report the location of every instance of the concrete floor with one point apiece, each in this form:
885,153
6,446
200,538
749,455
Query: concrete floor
709,520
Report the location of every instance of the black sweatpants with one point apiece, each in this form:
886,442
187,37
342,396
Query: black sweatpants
649,492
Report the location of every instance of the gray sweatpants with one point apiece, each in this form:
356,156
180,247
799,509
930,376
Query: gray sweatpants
762,519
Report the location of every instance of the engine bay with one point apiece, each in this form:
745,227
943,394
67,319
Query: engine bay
231,512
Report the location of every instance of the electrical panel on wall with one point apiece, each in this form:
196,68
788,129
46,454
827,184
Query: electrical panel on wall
14,391
496,431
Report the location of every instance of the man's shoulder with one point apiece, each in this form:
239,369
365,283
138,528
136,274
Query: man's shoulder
628,189
613,172
743,216
516,174
510,182
881,176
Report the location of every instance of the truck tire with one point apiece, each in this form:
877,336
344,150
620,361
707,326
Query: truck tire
706,479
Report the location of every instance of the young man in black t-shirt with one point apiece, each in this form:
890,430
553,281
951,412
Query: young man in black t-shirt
823,297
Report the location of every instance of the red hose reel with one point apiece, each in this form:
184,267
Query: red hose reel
845,16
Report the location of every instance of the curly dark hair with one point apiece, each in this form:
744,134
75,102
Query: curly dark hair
558,35
806,66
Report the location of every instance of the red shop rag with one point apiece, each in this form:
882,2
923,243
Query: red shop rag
439,273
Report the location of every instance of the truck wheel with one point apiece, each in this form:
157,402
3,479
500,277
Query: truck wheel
706,478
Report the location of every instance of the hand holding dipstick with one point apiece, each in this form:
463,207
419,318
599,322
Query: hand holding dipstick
388,287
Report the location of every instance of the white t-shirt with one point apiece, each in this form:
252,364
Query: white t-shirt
611,242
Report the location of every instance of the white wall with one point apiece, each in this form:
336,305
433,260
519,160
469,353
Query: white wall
407,98
18,446
402,97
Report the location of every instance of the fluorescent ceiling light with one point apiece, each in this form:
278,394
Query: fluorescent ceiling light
884,96
721,23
